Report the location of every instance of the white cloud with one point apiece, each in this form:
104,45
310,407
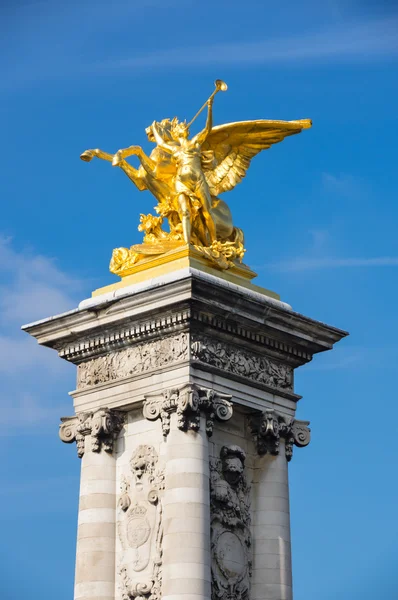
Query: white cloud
343,184
32,377
35,288
19,352
26,411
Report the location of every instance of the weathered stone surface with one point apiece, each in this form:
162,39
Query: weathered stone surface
102,426
133,360
185,423
230,525
237,361
188,402
269,427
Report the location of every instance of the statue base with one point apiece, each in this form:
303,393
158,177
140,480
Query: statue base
179,258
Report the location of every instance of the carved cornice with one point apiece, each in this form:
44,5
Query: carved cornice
188,402
123,336
129,334
112,320
270,426
233,359
252,335
103,427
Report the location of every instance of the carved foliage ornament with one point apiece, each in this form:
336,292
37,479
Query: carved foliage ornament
147,356
188,402
230,525
269,427
103,427
233,359
140,527
133,360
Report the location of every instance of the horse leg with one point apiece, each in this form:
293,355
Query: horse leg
145,161
135,175
88,155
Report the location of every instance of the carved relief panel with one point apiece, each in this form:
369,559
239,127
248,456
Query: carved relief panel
230,526
140,527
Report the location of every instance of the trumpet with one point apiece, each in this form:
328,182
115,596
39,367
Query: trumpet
221,86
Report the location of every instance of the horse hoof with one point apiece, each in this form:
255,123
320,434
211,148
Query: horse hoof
87,156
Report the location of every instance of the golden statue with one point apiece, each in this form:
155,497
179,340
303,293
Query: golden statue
186,176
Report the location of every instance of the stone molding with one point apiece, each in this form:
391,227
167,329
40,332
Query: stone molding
230,525
239,361
237,330
120,337
126,335
188,402
134,360
103,427
270,426
140,527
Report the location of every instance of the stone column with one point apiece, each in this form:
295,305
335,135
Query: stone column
94,434
275,436
187,420
186,542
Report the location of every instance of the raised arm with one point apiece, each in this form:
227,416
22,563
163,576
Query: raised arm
200,138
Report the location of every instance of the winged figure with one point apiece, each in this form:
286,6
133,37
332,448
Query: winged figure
187,176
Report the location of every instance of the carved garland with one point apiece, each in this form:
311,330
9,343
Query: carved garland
103,427
269,427
133,360
238,361
147,356
188,402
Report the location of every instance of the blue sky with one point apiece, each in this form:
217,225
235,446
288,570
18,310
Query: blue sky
319,212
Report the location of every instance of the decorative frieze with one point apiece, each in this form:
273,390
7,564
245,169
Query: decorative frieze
230,525
133,360
103,427
270,426
156,354
239,361
188,402
140,527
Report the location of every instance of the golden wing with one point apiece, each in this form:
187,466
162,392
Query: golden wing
235,144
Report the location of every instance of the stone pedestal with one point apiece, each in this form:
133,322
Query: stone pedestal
185,425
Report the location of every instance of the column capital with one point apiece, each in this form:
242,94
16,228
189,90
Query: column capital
103,426
188,402
270,426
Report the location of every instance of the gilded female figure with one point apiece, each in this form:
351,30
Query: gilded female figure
190,182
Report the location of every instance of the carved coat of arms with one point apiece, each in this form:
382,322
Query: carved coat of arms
140,527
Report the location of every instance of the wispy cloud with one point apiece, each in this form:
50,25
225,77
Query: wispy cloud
357,41
312,264
343,184
32,287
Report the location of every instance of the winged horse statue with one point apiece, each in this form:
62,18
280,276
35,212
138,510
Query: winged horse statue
187,176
